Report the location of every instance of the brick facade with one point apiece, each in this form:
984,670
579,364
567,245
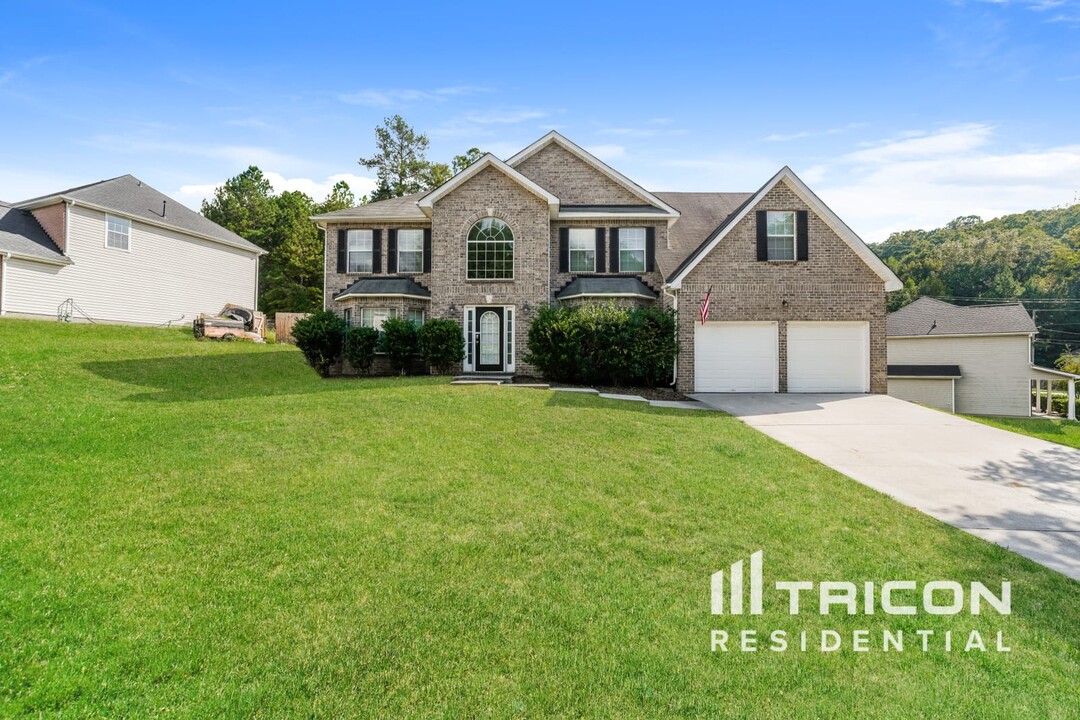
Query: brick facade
573,180
560,280
833,284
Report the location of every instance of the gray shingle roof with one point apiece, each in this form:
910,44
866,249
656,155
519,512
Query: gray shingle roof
924,371
610,286
399,208
928,316
20,234
382,287
127,195
702,214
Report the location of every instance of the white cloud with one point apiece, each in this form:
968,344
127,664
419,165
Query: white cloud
193,195
784,137
927,180
373,97
606,152
234,155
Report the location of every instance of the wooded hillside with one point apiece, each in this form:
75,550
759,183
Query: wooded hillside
1032,256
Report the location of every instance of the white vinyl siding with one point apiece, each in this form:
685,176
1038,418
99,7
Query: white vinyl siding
996,370
932,392
164,276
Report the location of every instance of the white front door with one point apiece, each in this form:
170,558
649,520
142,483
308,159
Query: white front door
828,357
736,357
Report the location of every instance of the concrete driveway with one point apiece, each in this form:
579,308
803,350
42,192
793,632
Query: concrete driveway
1017,491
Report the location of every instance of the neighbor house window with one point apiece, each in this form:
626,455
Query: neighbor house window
360,251
375,317
490,251
582,250
781,234
631,249
416,317
410,245
117,233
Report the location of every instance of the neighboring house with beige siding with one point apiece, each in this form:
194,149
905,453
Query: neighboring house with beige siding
797,304
975,360
119,251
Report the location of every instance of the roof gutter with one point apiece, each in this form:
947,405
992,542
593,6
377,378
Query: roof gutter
165,226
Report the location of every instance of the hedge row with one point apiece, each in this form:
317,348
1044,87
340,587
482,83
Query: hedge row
325,339
603,345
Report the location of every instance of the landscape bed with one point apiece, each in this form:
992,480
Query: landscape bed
279,545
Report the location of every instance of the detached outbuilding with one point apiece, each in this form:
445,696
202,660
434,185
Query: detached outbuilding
976,360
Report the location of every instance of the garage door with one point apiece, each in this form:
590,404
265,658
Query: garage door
736,357
828,357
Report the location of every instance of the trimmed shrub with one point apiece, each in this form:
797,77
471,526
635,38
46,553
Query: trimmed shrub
399,343
603,345
361,343
441,344
319,336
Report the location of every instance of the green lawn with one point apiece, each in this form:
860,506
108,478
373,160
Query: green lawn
209,530
1063,432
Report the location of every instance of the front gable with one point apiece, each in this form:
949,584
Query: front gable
579,178
835,252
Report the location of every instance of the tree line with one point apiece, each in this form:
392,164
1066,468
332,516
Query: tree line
291,273
1032,256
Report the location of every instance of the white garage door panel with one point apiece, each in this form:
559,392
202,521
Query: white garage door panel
735,357
828,357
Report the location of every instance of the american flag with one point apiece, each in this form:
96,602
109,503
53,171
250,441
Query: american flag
705,307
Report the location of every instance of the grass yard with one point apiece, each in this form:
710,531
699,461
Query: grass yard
1063,432
209,530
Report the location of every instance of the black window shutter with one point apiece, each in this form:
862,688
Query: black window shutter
564,249
376,251
650,249
762,236
342,250
391,251
427,250
613,243
600,263
802,234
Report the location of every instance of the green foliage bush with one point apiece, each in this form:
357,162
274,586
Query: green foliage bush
361,344
319,336
441,344
603,345
399,343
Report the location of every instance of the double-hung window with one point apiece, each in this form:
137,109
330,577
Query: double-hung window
416,317
781,234
117,232
375,317
582,250
359,251
410,245
631,250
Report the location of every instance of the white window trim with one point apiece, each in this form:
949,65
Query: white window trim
792,237
390,313
349,252
109,217
644,249
591,247
421,251
513,253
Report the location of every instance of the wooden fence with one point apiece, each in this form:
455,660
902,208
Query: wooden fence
283,323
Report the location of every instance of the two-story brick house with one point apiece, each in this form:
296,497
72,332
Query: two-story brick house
797,299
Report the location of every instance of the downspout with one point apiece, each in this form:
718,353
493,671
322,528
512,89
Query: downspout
675,306
4,260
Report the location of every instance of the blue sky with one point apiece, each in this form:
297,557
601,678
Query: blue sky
899,115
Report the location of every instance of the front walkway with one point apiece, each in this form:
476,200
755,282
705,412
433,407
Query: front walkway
1017,491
